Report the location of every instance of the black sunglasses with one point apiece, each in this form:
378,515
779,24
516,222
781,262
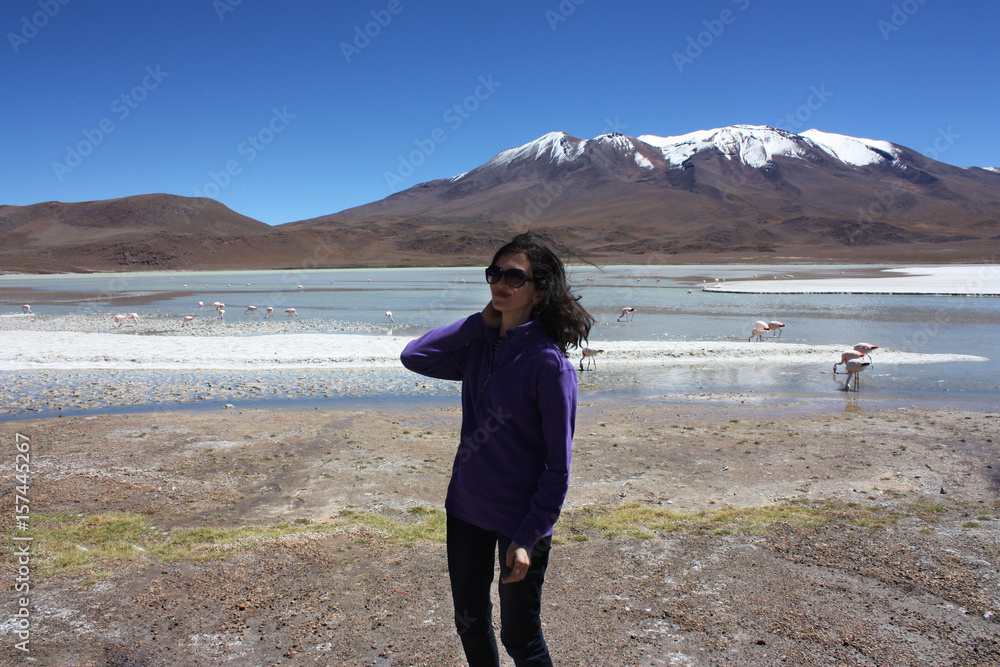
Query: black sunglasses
513,277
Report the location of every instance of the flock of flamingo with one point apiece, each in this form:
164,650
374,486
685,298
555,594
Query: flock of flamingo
220,308
852,360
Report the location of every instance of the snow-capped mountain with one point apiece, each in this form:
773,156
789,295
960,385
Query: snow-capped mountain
744,188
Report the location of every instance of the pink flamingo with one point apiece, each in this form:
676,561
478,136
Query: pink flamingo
865,349
590,354
118,320
26,309
290,312
222,313
135,319
775,325
270,312
854,368
628,312
845,356
201,304
251,310
187,318
757,332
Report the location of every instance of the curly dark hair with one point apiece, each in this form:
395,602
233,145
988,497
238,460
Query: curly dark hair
563,318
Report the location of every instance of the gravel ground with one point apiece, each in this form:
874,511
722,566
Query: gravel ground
901,572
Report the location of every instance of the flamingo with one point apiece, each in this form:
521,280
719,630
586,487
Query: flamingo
290,312
865,349
628,312
775,325
201,304
251,310
299,286
222,313
854,368
845,356
118,320
761,324
590,354
187,318
388,314
135,319
26,309
757,332
270,312
217,304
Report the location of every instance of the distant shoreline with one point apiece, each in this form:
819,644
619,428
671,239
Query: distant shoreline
930,280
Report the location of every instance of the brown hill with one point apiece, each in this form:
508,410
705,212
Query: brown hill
154,231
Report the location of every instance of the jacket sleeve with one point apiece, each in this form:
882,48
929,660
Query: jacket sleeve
442,353
557,405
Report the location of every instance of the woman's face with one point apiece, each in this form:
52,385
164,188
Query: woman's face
515,300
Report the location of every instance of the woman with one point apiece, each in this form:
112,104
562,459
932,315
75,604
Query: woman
511,470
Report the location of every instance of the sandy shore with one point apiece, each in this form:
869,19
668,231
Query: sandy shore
691,536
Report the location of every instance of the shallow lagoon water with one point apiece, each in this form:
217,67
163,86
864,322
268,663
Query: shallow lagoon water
670,306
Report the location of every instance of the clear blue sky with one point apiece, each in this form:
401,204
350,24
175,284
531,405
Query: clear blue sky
259,104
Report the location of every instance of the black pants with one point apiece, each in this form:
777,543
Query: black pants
472,553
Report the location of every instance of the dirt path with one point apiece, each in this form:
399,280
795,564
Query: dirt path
887,553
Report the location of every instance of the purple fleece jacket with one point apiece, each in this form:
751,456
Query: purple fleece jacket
511,470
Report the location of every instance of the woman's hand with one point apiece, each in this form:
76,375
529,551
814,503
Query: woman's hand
492,316
518,560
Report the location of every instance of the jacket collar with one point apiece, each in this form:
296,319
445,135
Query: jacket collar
517,335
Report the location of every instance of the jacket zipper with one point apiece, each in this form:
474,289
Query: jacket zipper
489,376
